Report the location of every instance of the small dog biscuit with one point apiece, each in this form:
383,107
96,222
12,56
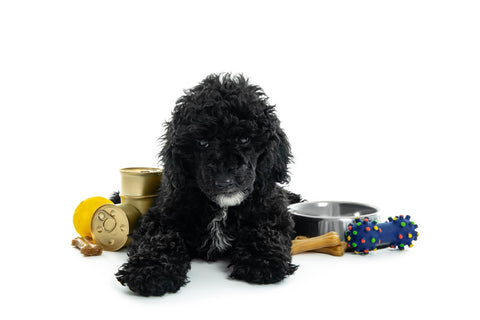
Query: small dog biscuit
87,246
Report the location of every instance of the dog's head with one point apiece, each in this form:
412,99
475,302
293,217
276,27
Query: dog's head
225,139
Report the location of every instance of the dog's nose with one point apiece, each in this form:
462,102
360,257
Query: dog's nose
224,182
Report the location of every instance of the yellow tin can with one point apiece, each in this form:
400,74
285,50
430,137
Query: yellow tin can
111,224
84,212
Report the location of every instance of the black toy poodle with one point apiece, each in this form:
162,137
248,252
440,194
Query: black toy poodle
223,155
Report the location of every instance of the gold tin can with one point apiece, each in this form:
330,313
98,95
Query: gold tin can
140,182
141,203
111,224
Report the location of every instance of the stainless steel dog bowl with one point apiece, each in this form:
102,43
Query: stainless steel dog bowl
319,217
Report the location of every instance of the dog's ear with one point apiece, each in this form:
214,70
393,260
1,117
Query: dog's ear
173,172
282,156
272,165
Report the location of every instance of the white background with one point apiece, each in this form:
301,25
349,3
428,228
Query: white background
378,99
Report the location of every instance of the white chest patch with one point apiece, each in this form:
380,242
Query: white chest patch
220,240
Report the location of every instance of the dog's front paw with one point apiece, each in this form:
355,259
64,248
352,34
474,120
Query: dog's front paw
264,272
151,280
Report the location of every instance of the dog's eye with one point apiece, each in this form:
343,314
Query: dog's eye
243,140
203,143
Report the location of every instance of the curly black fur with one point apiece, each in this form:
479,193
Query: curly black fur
223,155
115,197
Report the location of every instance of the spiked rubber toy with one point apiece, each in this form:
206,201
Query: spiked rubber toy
364,235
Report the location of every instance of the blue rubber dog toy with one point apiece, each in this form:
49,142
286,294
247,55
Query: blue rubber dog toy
364,235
